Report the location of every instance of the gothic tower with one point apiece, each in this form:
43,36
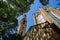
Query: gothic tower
47,14
22,27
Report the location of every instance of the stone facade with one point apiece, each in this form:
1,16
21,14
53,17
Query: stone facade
46,27
43,31
49,14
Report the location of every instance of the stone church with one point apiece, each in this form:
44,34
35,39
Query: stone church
46,25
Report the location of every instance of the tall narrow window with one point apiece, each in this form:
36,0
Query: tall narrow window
21,33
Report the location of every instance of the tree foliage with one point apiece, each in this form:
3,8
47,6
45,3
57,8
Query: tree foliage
21,5
13,37
44,2
9,10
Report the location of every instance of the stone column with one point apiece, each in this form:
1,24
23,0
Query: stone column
35,19
54,12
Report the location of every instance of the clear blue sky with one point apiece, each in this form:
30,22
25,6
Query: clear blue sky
33,8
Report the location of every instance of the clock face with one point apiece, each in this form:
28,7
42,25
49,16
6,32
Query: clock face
40,18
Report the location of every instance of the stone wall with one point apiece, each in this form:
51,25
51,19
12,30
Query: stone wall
44,31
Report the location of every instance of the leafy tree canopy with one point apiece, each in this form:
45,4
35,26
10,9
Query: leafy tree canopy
9,10
44,2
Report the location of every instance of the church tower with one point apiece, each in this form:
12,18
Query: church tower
22,27
47,14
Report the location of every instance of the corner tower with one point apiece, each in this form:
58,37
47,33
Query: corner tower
22,27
